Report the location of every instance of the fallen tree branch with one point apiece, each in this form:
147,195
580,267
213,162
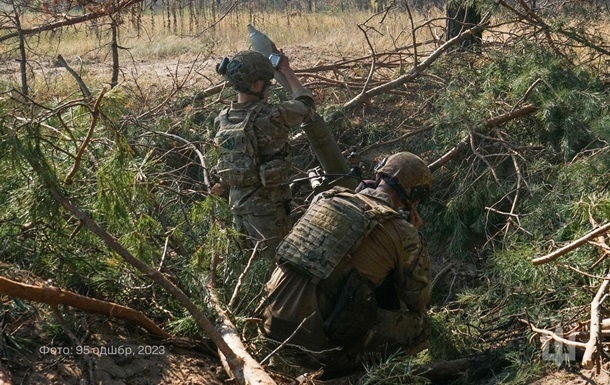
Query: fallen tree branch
572,246
67,20
242,367
595,326
54,296
253,371
417,70
495,121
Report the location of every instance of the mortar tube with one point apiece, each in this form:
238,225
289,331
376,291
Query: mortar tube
320,138
327,151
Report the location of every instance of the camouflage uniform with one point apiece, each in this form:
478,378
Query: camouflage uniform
392,260
261,208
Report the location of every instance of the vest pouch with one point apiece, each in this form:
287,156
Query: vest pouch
274,173
354,313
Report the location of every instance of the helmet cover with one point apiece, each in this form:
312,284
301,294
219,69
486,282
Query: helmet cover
409,171
245,68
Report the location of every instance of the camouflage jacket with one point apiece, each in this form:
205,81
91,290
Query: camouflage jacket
394,248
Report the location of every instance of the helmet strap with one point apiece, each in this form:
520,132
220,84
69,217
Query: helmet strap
400,191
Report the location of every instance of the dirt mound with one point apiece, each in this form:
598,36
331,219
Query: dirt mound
114,359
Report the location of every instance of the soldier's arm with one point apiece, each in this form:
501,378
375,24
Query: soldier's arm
303,103
413,281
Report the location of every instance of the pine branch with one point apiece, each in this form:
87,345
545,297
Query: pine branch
242,366
572,246
418,69
94,116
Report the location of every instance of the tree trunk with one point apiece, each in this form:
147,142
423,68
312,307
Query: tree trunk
460,18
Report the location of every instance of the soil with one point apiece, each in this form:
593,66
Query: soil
116,361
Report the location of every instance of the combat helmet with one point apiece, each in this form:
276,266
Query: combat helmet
408,174
245,68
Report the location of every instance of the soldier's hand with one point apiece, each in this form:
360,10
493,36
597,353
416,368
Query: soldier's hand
285,64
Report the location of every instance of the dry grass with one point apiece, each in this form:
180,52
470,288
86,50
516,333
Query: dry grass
325,31
154,52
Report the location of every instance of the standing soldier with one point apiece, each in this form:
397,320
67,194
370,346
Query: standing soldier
252,135
353,275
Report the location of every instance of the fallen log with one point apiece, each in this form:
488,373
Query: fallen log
54,296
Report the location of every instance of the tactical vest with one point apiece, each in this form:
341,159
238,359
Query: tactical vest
330,230
238,160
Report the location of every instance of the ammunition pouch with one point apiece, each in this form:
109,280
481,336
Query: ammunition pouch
354,312
274,172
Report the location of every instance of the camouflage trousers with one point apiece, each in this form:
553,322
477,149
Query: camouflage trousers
396,332
263,214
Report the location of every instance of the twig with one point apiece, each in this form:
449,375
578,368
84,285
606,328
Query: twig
527,93
553,335
413,33
287,339
572,246
94,116
595,329
83,87
373,56
581,272
471,132
601,242
242,276
164,254
177,85
206,177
